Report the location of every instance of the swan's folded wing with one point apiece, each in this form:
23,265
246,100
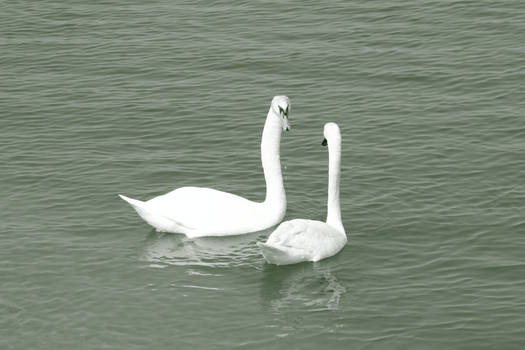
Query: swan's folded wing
202,207
301,233
314,238
279,255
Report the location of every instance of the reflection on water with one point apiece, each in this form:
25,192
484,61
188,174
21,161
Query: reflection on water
162,249
311,285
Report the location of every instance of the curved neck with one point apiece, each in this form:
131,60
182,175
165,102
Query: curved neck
333,217
271,162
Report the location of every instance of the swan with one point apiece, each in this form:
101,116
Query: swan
301,240
199,212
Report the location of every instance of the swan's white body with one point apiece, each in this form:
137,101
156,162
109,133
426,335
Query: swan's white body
300,240
199,212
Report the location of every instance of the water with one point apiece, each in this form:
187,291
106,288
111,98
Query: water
100,98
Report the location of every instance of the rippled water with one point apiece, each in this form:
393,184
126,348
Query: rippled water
100,98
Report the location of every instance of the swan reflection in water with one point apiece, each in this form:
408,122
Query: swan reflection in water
311,285
163,249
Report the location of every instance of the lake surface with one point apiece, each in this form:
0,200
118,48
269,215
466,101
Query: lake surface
132,97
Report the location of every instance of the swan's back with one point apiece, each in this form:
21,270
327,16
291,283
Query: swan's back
303,240
204,210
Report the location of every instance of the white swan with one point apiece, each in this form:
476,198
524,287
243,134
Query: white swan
309,240
199,212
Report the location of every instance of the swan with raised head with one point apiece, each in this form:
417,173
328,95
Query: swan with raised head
199,211
301,240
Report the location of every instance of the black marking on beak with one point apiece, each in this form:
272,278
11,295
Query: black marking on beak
284,112
324,143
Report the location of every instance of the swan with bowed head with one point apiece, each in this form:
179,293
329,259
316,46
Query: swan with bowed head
199,212
301,240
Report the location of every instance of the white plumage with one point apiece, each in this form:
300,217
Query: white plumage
198,211
300,240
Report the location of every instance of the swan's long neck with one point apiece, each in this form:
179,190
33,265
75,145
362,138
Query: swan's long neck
271,162
333,217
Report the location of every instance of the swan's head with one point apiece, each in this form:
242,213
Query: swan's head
281,107
331,132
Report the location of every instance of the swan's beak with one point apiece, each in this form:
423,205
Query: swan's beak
286,125
324,143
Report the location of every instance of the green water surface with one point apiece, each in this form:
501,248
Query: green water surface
140,97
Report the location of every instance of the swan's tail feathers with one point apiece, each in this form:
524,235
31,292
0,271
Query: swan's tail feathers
281,255
155,218
140,208
133,202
